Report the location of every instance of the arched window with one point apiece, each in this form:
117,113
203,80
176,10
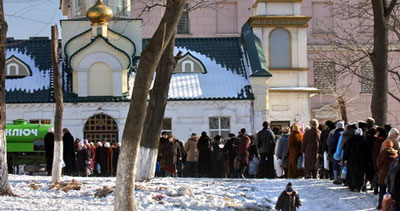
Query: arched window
187,66
12,69
279,49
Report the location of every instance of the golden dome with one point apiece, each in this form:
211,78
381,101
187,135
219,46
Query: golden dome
99,13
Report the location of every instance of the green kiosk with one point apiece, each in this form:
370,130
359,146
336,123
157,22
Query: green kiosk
25,144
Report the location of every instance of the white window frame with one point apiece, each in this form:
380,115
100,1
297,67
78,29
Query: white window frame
9,69
219,130
121,7
184,66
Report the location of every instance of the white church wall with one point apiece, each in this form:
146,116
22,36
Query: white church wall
187,116
289,107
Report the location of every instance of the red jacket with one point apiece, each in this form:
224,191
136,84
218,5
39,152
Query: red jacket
242,150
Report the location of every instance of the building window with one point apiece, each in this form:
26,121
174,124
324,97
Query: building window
322,21
122,7
366,81
39,121
324,76
184,22
80,8
227,17
166,125
189,64
279,42
219,126
15,68
12,69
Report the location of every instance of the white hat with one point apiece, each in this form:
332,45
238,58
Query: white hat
50,130
107,145
359,132
393,131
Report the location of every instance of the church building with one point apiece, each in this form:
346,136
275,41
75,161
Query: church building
221,84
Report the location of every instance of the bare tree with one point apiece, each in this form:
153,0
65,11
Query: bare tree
352,46
58,95
149,59
5,188
155,113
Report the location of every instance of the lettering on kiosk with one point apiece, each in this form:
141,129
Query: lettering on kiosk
21,132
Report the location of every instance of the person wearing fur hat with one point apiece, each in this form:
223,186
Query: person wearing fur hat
289,200
49,150
393,137
106,160
333,144
385,158
309,148
192,156
82,159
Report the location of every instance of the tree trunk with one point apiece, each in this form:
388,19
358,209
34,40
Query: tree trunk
5,188
379,58
150,57
342,109
58,95
155,114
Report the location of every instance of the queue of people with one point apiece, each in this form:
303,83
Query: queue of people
81,157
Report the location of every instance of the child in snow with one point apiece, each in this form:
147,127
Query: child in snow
289,200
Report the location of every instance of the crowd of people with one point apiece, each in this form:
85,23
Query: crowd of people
359,155
81,157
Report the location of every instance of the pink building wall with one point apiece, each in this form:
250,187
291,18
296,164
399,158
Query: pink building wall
204,23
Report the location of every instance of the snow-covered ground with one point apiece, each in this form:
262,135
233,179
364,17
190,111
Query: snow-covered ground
185,194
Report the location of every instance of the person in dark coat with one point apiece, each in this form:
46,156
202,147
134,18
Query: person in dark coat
254,158
180,162
242,152
204,147
310,148
324,147
82,159
49,150
171,155
69,153
98,158
396,192
385,159
106,160
230,149
160,159
265,142
355,154
283,151
289,200
217,158
115,155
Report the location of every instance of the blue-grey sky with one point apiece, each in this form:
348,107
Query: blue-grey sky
31,18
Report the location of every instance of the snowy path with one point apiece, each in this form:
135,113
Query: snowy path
186,194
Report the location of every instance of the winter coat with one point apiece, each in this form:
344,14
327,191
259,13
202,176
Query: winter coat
355,153
265,141
69,152
295,140
82,158
396,187
310,147
204,147
181,153
98,155
288,202
384,160
170,153
333,140
339,150
115,156
242,150
106,161
282,151
230,148
160,155
376,149
49,149
217,161
192,153
324,140
391,176
253,152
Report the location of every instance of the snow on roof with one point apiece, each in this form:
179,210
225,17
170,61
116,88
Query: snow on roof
218,82
38,81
